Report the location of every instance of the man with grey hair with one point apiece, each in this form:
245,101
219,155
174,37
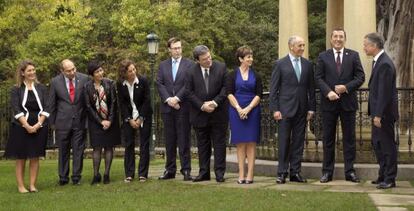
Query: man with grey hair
339,74
208,113
292,101
68,115
383,109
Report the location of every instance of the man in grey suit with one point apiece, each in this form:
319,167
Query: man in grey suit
383,109
292,101
67,108
175,110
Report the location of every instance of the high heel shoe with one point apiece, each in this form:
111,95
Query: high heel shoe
96,179
249,181
241,181
106,179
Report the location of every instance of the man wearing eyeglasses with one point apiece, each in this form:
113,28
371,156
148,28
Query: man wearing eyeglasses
175,110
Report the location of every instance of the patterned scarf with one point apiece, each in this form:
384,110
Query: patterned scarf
100,102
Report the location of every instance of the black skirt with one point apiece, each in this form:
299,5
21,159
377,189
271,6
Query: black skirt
23,145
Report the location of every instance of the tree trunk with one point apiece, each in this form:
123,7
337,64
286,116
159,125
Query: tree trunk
396,24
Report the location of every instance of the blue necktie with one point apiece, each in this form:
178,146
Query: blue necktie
297,68
174,68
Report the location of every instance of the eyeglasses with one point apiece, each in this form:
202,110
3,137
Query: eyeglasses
176,48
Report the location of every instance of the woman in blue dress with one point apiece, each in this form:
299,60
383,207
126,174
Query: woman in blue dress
244,90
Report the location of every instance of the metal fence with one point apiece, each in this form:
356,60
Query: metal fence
267,148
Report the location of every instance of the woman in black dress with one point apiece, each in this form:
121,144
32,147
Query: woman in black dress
28,131
104,132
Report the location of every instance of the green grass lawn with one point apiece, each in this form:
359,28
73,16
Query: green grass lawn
160,195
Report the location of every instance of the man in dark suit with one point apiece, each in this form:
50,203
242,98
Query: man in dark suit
67,108
175,110
292,101
136,114
383,109
339,74
209,111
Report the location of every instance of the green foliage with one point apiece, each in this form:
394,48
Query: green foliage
63,36
47,31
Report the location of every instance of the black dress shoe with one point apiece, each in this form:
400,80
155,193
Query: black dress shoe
326,177
96,179
200,178
106,179
76,182
281,179
385,185
297,178
62,182
248,182
220,179
167,175
352,177
187,176
241,181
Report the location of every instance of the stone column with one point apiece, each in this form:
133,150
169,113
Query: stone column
293,20
359,20
334,18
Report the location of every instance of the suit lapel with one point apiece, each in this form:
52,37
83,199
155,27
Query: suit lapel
304,70
77,87
179,70
345,61
292,69
65,87
374,70
169,70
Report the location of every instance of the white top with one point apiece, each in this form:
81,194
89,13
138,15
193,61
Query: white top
135,112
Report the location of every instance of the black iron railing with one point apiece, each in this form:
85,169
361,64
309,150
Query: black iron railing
269,136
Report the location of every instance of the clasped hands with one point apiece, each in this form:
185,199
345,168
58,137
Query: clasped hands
135,123
208,106
105,124
173,102
32,129
243,112
335,95
277,115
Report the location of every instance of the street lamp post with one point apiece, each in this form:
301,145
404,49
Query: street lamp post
152,41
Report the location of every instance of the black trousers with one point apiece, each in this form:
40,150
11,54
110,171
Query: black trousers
129,144
177,133
67,139
212,135
329,120
383,141
291,141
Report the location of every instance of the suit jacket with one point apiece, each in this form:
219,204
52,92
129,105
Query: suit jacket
18,97
167,87
352,76
142,99
383,96
197,94
110,93
66,115
287,94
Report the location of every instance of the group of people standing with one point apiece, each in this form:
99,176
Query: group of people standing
202,94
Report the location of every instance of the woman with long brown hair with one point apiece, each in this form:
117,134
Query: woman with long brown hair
28,131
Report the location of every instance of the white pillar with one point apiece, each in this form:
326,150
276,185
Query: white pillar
293,20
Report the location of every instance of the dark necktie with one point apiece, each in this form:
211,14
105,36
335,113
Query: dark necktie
338,62
71,91
206,79
373,64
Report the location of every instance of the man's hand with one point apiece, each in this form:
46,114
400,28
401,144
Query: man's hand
332,96
377,122
277,115
207,107
340,89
